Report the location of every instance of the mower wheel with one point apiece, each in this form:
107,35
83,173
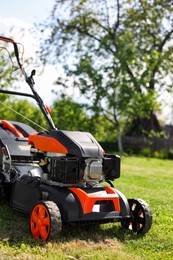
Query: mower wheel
140,220
45,220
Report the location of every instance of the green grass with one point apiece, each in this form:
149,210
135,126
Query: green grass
149,179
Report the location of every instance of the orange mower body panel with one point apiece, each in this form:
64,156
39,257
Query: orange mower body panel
88,200
46,143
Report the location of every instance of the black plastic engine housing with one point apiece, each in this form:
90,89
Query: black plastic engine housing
65,169
71,169
111,166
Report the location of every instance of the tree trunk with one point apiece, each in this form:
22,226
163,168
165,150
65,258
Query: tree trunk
119,137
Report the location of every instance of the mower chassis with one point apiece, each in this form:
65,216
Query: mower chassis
76,204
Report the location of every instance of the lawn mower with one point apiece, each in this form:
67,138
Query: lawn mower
59,176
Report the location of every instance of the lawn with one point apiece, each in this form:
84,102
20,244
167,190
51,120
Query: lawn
149,179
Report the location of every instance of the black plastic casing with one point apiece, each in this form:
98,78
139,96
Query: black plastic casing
81,144
70,207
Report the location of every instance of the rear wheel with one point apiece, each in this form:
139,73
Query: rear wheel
141,217
45,220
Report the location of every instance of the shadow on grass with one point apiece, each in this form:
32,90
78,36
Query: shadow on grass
14,230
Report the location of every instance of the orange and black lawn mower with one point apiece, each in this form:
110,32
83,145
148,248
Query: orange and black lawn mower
59,176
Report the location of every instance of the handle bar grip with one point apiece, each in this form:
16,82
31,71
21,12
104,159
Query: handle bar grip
2,38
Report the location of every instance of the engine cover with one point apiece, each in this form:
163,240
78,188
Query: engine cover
74,143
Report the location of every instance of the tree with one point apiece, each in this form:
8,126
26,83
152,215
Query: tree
70,115
23,111
119,51
7,75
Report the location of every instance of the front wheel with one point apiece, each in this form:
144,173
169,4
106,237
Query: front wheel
45,220
140,220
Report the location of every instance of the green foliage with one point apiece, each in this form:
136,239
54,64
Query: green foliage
147,152
7,76
70,115
25,108
102,129
118,54
118,50
30,111
66,114
161,154
146,102
152,134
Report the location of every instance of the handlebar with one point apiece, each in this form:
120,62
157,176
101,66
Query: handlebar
30,81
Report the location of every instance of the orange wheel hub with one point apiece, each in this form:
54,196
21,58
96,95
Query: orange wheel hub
40,222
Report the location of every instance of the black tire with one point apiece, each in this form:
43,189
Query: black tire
45,221
140,220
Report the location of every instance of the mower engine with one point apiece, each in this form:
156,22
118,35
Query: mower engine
74,170
70,157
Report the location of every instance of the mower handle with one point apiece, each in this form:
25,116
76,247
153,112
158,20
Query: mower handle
30,82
